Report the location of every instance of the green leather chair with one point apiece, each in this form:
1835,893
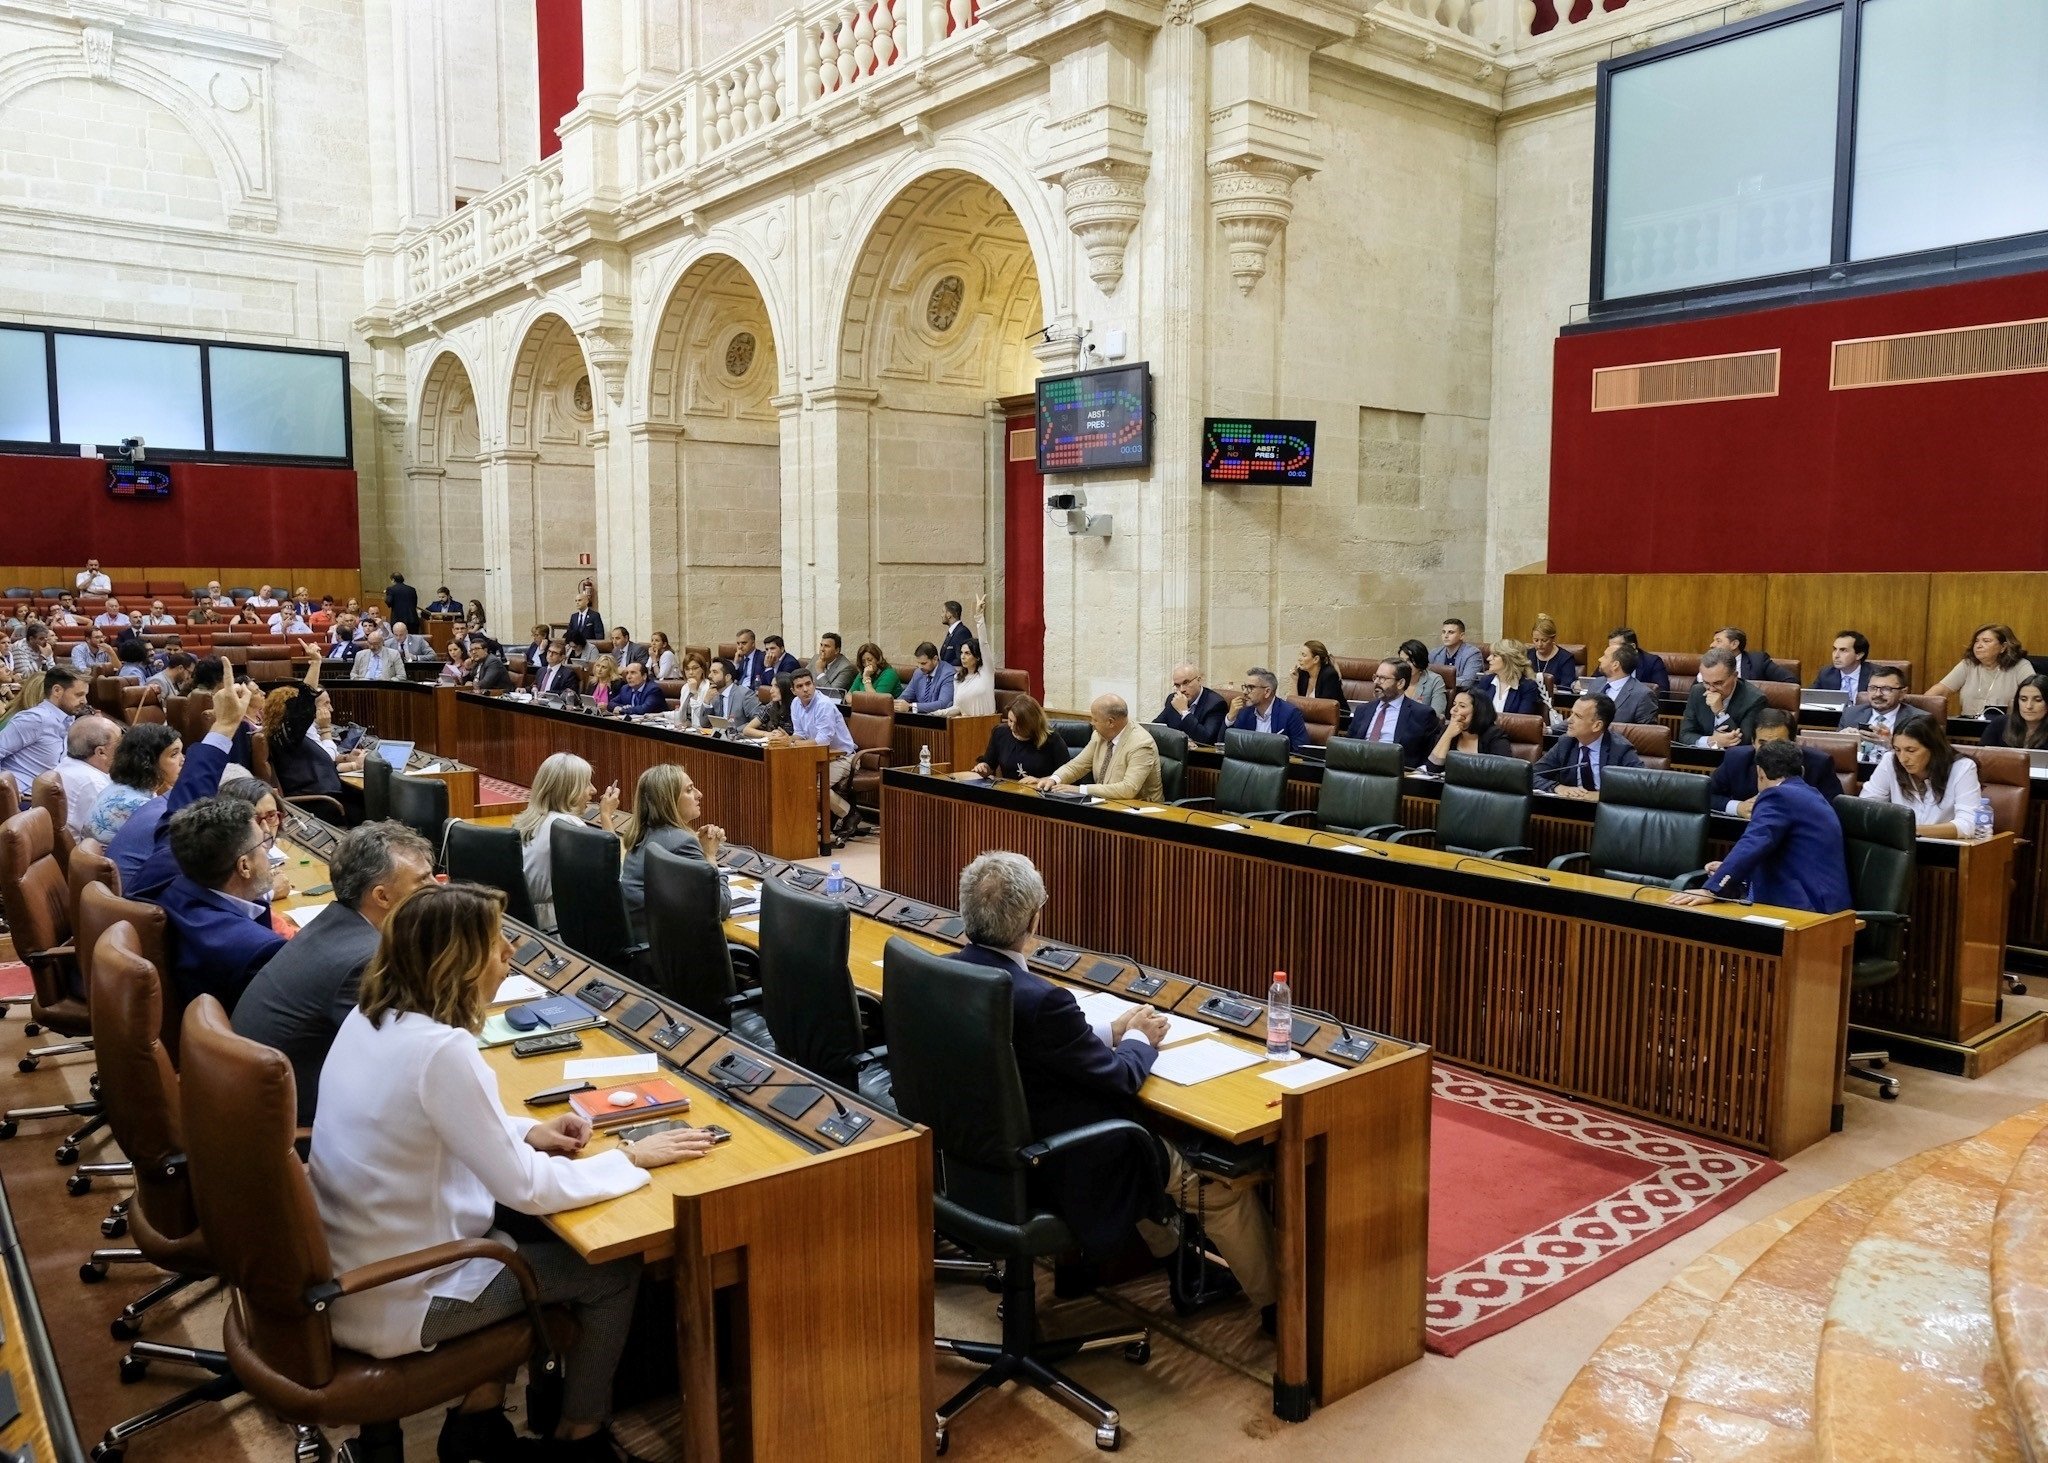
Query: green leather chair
1253,782
1074,733
1173,759
1650,828
1879,840
1485,808
1361,793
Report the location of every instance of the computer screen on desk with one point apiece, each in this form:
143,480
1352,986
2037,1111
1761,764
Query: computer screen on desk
396,753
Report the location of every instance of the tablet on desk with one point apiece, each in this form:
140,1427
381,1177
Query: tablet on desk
1815,699
396,754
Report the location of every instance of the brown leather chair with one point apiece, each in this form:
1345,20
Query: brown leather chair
47,792
2007,780
1841,746
729,651
1780,695
1321,716
1357,676
1010,684
1652,743
37,901
1525,734
1684,666
1795,669
871,722
89,865
1905,668
1939,707
10,796
100,908
103,694
256,1209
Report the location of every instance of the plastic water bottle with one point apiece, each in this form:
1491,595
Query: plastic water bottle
1279,1020
924,760
835,879
1982,818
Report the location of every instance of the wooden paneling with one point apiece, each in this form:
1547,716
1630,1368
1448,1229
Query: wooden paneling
1958,603
1682,611
1804,611
1585,606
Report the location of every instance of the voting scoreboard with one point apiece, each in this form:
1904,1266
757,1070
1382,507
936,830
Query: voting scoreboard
1254,451
1093,421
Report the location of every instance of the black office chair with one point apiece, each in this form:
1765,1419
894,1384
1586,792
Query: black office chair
590,906
1485,808
495,858
948,1024
1074,733
807,992
376,789
1650,828
421,804
1173,759
1253,782
689,958
1880,840
1361,792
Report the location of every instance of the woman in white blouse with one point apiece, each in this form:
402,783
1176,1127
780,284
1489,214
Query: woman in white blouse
1923,772
974,688
661,657
696,693
1990,674
561,789
414,1149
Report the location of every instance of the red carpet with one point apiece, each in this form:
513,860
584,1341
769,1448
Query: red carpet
15,981
1533,1198
492,790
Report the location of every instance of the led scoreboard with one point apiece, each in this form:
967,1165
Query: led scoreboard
1240,450
1095,420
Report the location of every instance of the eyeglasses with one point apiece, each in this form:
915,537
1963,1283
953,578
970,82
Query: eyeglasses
270,820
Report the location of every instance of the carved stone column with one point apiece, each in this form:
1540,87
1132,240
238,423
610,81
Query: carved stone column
512,561
1104,201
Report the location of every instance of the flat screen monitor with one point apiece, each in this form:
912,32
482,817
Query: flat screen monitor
1095,421
1254,451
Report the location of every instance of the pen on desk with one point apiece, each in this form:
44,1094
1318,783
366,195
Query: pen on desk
1274,1103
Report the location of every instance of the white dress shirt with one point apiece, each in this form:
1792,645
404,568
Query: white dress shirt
414,1148
1929,808
94,582
83,784
1100,1027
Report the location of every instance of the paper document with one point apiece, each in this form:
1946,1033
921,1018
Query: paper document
1764,919
638,1065
1146,808
1105,1008
1303,1072
305,914
519,988
1198,1061
751,924
1227,827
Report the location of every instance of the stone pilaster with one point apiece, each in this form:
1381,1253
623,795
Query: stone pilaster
512,550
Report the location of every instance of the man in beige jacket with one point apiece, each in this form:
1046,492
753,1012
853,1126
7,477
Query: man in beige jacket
1120,760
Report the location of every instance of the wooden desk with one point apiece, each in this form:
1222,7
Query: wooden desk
818,1255
1350,1169
1705,1019
957,741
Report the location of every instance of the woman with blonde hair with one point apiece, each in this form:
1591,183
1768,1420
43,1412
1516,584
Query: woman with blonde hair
604,678
1547,657
414,1149
562,788
1509,683
666,807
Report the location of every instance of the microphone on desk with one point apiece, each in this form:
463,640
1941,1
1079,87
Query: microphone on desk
1500,865
1343,842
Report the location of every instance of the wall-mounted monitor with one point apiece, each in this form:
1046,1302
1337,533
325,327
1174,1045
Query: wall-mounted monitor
1095,421
1258,451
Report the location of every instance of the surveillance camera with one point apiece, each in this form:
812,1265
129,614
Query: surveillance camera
132,446
1066,502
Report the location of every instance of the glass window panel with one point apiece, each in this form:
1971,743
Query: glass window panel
278,404
108,389
24,387
1951,124
1721,161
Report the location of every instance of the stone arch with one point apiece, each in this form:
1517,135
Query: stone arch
447,393
541,506
730,252
443,508
714,350
551,395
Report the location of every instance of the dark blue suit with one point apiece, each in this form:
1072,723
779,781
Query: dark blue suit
1650,669
957,635
214,948
1072,1079
1524,700
1286,718
1561,667
1202,721
1415,727
1791,854
1734,781
1830,679
142,849
587,623
642,700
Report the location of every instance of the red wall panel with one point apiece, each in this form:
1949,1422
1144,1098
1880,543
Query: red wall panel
558,33
57,511
1942,476
1024,560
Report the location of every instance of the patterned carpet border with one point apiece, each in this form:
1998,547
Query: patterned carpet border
1692,1181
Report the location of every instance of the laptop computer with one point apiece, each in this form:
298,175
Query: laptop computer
398,754
2037,761
1814,699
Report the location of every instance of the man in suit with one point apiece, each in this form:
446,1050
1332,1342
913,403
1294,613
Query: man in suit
1792,853
931,684
141,851
1120,760
1751,665
403,601
217,909
1074,1074
832,670
556,676
625,650
408,645
956,634
1722,708
1846,670
443,603
1884,713
1635,704
377,660
779,662
1574,765
642,694
1650,669
1258,707
1395,716
1194,708
299,999
1733,785
750,666
728,697
1459,655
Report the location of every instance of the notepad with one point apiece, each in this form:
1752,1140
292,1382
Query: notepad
1303,1072
638,1065
305,914
518,988
1199,1061
1104,1009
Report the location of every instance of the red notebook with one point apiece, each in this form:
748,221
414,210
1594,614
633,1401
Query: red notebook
656,1096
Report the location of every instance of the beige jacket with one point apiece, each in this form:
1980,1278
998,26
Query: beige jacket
1129,771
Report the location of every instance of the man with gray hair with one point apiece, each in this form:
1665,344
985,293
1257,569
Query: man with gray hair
1722,708
86,769
1120,760
297,1002
1258,707
377,661
1075,1074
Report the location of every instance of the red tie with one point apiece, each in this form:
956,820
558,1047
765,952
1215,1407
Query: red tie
1379,718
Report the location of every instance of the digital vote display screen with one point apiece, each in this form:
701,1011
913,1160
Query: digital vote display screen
1242,450
1094,421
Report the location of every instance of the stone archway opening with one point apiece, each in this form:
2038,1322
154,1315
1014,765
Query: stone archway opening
549,493
442,521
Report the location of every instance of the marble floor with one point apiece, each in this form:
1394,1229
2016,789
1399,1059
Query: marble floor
1490,1402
